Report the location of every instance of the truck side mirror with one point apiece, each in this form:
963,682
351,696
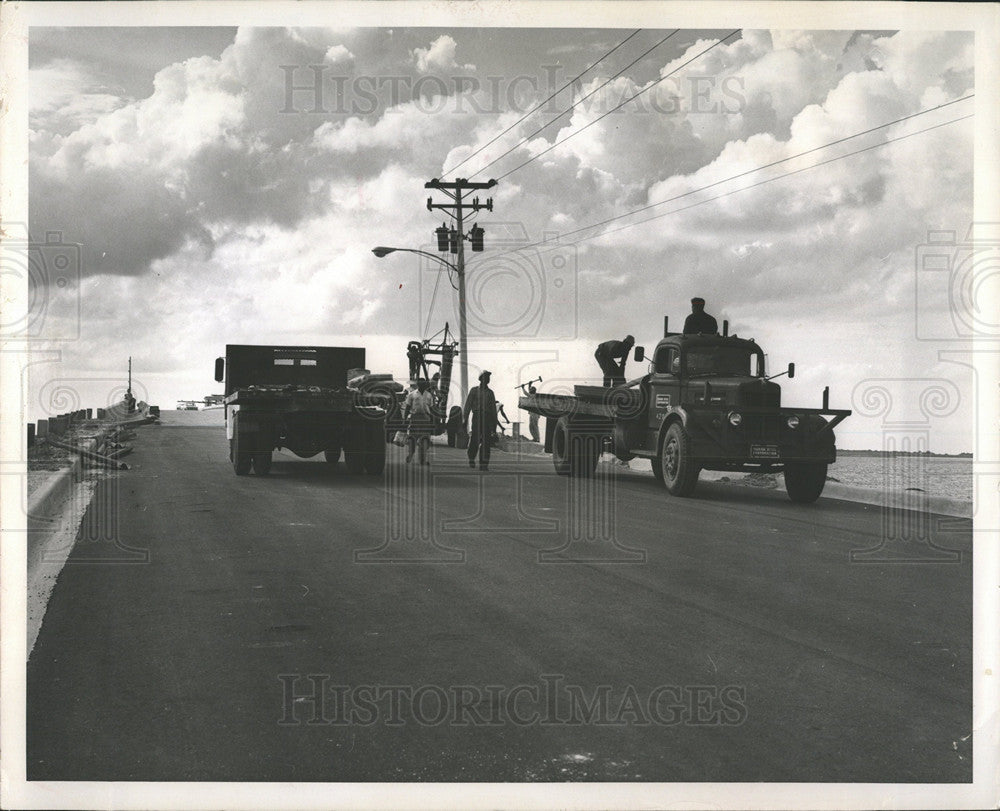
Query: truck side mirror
640,353
791,370
220,368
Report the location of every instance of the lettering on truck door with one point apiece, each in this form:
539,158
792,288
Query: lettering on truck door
664,389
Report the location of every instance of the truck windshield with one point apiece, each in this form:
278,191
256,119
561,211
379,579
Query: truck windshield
722,360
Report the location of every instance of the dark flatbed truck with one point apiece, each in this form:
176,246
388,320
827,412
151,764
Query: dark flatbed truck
297,397
705,405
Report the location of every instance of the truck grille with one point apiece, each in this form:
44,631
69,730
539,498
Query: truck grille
754,395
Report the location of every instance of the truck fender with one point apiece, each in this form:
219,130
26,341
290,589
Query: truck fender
676,414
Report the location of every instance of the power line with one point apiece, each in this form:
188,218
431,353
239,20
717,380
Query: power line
575,104
617,107
543,103
747,172
765,166
555,246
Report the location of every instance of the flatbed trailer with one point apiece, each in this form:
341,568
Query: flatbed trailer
705,405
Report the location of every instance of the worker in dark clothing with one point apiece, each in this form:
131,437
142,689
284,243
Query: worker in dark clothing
415,355
482,405
454,425
699,322
611,357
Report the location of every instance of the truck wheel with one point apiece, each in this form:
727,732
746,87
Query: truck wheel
804,481
560,447
355,460
374,459
332,456
657,466
679,471
241,459
573,453
262,463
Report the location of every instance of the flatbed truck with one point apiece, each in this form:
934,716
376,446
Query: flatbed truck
308,399
706,404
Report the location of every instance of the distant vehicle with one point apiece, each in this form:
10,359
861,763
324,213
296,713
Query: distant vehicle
187,405
308,399
706,405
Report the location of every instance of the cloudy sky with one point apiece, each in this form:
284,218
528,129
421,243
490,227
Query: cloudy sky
227,185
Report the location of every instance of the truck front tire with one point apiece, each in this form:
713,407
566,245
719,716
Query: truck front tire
679,470
804,481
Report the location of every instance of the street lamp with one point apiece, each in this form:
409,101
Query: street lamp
463,366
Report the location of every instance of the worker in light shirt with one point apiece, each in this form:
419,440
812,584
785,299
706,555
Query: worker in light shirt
419,416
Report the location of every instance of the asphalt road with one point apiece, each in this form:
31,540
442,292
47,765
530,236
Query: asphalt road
725,637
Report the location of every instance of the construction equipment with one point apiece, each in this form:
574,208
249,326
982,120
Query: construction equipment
419,354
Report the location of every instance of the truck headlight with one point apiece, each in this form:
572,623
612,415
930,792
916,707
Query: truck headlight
793,422
735,418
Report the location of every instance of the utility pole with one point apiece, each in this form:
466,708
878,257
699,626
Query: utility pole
129,399
457,208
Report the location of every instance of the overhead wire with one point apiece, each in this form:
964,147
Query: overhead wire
744,174
555,246
542,103
616,107
574,105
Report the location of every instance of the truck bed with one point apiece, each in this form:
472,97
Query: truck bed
594,401
305,398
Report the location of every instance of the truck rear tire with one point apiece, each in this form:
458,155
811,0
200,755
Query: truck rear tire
332,456
242,460
574,453
374,458
804,481
355,460
262,463
679,470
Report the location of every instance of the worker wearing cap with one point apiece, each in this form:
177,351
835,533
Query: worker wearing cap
699,322
611,357
482,405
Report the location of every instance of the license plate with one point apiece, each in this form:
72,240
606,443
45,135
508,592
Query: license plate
764,451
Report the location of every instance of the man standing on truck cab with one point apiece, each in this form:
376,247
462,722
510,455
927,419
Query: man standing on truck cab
700,322
482,405
606,355
418,412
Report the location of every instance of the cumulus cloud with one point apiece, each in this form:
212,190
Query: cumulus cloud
230,196
337,54
439,56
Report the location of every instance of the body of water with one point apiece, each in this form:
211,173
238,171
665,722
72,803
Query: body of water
934,475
